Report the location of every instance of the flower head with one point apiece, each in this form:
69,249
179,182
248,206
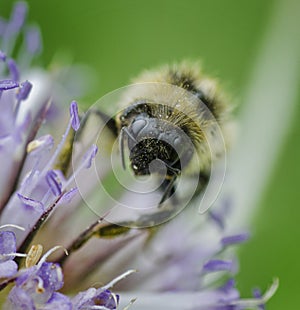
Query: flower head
37,287
180,265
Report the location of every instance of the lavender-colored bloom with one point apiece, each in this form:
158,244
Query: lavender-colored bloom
180,265
37,286
30,186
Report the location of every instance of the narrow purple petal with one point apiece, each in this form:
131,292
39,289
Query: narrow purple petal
7,245
90,155
38,285
228,286
218,265
18,16
257,294
8,84
74,115
235,239
2,56
8,269
68,196
33,40
53,182
35,204
24,90
13,69
230,293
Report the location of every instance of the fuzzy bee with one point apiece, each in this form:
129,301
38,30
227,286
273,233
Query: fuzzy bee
170,123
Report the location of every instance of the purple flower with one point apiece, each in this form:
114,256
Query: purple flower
32,178
36,289
180,266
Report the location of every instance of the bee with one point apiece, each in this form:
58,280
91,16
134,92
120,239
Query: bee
171,122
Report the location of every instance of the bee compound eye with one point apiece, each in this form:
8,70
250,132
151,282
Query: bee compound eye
137,126
177,141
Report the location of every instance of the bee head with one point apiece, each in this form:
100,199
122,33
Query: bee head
156,145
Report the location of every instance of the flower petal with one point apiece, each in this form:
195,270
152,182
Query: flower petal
53,182
35,204
235,239
19,299
58,301
7,245
74,115
218,265
8,269
24,90
8,84
13,69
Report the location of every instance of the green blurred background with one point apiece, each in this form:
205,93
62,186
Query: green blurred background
120,38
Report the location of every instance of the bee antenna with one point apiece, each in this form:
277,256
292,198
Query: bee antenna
175,171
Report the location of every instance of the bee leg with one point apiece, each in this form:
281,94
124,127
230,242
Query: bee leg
110,123
168,188
203,179
93,116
